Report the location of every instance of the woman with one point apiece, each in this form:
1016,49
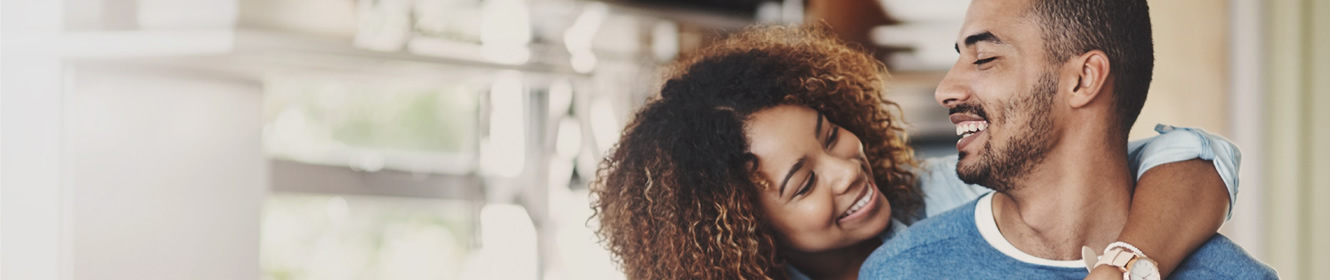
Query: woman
770,155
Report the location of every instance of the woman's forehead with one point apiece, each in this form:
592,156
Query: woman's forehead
778,128
780,136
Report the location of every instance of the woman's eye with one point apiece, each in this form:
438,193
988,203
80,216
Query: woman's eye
812,177
831,139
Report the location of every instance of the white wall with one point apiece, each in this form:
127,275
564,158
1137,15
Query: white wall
1298,218
1247,123
1190,86
31,185
167,175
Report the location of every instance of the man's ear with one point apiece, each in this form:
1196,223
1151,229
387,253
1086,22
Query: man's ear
1091,76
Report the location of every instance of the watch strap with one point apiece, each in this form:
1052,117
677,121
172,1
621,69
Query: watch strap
1116,257
1126,246
1119,254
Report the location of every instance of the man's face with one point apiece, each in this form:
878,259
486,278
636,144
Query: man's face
1000,92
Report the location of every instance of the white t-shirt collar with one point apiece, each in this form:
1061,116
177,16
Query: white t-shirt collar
984,219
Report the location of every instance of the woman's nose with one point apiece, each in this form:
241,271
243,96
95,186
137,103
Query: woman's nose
843,174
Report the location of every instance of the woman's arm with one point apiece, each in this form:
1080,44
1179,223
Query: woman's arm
1176,208
1182,196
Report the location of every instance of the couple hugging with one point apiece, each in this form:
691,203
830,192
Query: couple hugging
775,155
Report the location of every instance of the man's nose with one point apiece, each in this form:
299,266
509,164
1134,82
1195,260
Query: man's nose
952,90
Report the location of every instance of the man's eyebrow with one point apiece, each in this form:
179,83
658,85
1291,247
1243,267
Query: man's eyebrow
976,38
797,164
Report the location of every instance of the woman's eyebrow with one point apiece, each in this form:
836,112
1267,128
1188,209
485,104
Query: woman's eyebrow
800,163
818,129
797,164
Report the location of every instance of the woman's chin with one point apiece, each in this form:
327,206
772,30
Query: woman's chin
880,220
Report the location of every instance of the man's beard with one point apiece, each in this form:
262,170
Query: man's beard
999,168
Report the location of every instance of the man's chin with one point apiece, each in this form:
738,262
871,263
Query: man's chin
976,172
970,173
973,180
982,176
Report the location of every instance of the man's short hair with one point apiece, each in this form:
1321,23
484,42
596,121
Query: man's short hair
1120,28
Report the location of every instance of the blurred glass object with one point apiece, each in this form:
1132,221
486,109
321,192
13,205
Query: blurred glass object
579,37
383,25
922,39
506,31
567,146
337,19
370,125
569,141
503,151
560,97
792,11
560,178
507,245
330,237
579,252
768,13
923,27
925,11
665,41
782,12
604,123
582,255
455,20
621,36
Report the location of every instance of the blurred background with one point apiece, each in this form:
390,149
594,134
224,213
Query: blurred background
454,139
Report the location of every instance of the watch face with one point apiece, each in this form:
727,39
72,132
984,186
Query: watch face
1144,270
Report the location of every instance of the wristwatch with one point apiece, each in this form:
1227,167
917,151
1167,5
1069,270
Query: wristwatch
1133,264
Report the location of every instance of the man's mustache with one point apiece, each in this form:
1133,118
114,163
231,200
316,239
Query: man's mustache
969,108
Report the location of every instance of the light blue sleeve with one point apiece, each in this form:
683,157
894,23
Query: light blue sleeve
944,190
1174,144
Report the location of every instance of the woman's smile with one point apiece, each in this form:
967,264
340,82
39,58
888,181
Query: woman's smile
824,197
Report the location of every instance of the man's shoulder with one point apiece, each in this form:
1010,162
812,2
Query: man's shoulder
949,224
930,240
1220,258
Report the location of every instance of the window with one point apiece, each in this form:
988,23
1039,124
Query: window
372,124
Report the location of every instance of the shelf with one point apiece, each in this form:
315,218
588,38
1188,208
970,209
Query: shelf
453,55
145,43
255,51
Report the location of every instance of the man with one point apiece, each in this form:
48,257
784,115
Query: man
1045,92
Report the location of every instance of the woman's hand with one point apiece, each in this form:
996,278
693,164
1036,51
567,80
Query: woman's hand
1104,272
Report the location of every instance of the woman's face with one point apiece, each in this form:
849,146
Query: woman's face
820,193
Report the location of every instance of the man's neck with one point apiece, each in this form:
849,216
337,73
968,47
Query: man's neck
1078,196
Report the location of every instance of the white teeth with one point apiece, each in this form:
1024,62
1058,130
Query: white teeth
966,129
863,201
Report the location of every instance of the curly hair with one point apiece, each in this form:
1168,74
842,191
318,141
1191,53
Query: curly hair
677,197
